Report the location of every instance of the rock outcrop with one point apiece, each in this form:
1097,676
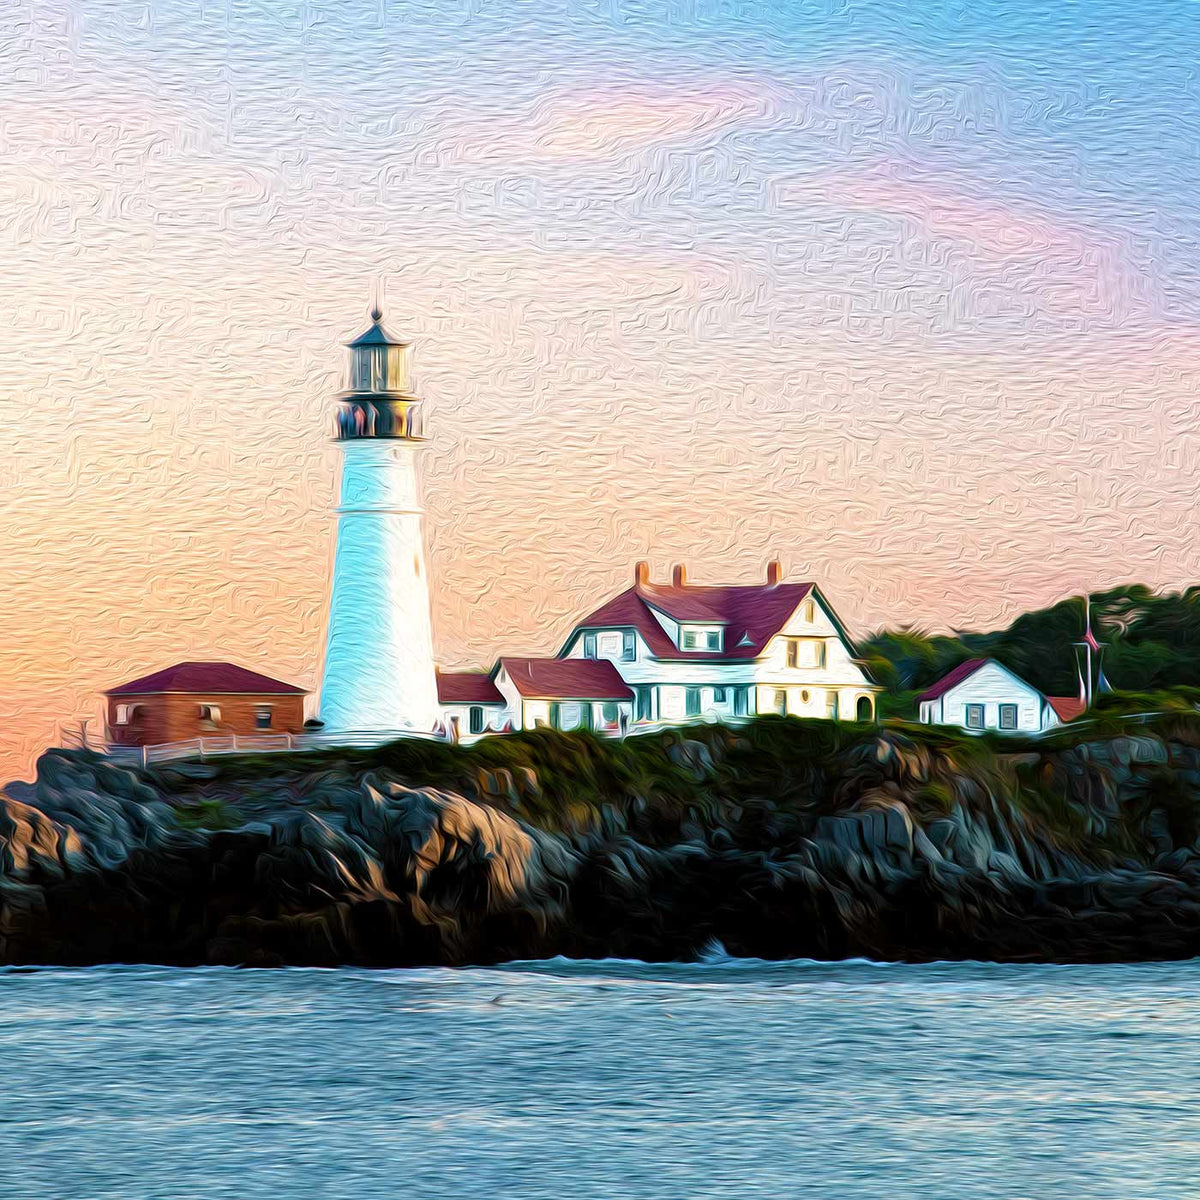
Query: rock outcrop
781,840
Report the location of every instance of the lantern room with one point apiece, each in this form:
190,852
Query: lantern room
378,361
377,403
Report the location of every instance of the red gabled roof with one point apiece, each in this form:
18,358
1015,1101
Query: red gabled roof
685,603
751,615
1067,707
206,677
566,679
467,687
955,677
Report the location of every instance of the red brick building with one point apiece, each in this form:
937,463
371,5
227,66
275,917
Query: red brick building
198,699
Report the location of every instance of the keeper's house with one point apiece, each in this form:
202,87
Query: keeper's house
200,699
676,653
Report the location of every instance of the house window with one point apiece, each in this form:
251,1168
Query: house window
700,639
210,715
589,645
740,696
610,715
718,695
628,646
567,715
475,719
974,716
691,706
1008,716
804,696
781,701
645,703
122,717
810,611
262,717
831,705
806,652
609,645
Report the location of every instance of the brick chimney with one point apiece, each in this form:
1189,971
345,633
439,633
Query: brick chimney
641,574
679,576
774,573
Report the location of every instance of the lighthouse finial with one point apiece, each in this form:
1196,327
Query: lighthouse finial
376,306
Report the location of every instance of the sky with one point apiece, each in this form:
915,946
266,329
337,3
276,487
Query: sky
905,295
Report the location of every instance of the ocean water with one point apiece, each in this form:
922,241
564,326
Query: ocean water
607,1080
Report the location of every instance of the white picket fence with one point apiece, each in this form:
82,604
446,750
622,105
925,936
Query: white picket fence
266,743
258,743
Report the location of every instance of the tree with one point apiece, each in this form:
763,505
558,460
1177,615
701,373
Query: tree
1151,642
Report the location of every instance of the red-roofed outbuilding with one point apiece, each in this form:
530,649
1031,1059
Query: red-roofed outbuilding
982,694
195,699
566,693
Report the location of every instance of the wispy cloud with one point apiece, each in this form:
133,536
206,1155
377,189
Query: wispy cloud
598,124
997,229
1074,269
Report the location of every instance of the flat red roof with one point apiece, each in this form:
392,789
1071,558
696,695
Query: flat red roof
467,687
1067,707
206,677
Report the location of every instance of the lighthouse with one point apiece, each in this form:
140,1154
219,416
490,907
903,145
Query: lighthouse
378,677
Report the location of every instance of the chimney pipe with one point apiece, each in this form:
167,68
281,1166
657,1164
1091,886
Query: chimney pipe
774,573
679,576
641,574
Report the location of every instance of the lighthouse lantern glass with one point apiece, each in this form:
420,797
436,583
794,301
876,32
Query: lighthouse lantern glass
377,369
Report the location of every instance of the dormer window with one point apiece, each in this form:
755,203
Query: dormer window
700,637
613,644
616,645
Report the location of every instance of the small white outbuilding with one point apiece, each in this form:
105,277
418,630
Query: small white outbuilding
981,694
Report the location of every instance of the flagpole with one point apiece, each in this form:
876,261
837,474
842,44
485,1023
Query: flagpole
1087,625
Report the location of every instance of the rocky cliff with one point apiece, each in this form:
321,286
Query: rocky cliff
781,839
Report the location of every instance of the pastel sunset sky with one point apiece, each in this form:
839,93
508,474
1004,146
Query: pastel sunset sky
906,295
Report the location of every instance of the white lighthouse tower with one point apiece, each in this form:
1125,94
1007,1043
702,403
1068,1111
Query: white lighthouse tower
379,676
